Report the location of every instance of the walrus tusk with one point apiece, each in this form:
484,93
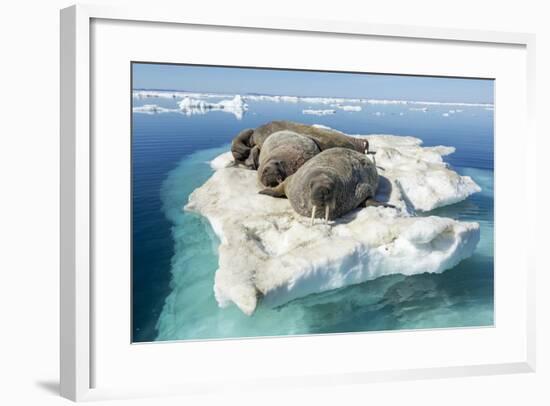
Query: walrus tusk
326,214
313,214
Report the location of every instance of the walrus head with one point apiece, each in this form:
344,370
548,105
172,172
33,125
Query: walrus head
241,145
322,195
272,173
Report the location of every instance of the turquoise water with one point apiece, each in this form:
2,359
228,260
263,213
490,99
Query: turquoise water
175,252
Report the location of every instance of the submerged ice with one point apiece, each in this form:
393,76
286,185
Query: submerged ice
269,253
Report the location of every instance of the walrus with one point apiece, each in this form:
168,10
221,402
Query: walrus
247,145
332,183
283,153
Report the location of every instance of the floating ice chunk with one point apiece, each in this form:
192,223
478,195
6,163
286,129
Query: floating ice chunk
381,101
346,107
268,251
152,109
422,109
325,112
270,98
289,99
327,100
445,114
235,106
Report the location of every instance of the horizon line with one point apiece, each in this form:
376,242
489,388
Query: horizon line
473,104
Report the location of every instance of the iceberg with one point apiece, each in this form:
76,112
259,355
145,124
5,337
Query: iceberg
236,106
269,254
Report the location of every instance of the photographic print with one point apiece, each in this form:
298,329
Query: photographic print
280,202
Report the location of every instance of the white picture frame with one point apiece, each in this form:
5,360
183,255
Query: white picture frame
77,282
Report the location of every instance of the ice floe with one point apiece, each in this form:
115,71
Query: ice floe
152,109
334,101
268,254
451,112
347,107
322,112
235,106
176,94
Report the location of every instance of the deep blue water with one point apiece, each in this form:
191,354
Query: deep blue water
174,252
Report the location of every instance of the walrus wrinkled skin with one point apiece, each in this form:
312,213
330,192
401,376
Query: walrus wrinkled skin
330,184
246,147
282,154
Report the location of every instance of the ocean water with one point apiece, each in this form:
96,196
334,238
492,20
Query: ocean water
175,252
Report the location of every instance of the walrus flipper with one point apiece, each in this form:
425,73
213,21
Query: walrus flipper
277,191
371,202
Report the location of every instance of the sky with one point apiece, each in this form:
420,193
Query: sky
231,80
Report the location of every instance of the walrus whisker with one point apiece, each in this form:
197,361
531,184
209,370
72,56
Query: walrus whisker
326,214
313,214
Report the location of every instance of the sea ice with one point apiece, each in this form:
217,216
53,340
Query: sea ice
236,106
152,109
270,254
346,107
324,112
340,101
